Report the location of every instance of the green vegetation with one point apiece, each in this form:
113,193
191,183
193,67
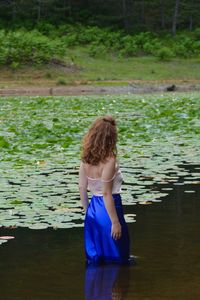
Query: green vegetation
59,42
107,70
147,68
75,54
61,81
41,149
21,47
132,16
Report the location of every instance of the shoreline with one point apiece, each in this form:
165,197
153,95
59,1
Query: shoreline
97,90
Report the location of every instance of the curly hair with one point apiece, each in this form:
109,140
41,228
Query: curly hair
99,143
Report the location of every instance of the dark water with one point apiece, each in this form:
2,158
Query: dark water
49,264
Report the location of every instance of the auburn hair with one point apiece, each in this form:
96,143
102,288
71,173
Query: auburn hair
99,143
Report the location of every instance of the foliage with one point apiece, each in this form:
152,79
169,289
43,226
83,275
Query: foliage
40,156
165,54
48,42
144,43
61,81
97,50
22,47
132,16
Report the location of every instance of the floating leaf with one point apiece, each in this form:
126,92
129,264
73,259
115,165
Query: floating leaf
41,162
16,202
6,237
130,218
158,144
3,142
145,202
38,226
2,241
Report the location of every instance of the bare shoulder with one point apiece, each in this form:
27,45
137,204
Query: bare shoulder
82,166
111,161
109,169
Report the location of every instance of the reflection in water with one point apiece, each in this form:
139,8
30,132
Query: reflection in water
165,238
106,282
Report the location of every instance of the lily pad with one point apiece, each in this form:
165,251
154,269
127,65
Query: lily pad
6,237
40,156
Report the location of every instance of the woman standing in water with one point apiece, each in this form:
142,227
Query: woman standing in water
106,233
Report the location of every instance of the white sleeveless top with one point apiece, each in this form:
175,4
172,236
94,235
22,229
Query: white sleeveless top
95,185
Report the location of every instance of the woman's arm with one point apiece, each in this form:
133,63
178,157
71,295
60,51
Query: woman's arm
107,178
83,182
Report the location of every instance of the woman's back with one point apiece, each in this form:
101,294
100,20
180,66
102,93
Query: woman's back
94,171
95,179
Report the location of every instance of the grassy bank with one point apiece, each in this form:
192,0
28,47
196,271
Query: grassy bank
80,68
77,54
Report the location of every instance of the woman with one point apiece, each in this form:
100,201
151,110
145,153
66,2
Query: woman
106,232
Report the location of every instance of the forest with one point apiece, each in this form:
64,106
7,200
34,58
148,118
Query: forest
131,15
71,33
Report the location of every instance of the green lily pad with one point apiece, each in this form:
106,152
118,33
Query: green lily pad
40,156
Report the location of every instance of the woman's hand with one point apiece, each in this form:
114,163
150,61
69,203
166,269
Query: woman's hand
116,231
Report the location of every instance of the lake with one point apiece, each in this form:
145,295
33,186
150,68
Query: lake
159,155
49,264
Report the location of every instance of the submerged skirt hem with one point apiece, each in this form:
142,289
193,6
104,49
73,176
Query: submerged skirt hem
110,260
100,247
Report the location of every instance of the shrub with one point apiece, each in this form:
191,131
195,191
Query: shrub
196,34
128,51
165,54
152,47
61,81
21,47
196,48
70,40
97,50
142,38
180,50
90,35
128,47
45,28
48,42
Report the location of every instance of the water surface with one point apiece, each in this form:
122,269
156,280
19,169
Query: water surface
49,264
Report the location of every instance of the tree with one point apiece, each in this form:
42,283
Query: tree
162,14
39,2
125,14
131,15
175,17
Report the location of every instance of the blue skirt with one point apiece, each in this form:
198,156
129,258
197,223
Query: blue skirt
100,247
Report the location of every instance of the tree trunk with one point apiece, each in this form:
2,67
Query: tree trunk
13,10
162,14
175,17
125,15
39,10
191,23
191,10
86,3
142,12
69,5
67,8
